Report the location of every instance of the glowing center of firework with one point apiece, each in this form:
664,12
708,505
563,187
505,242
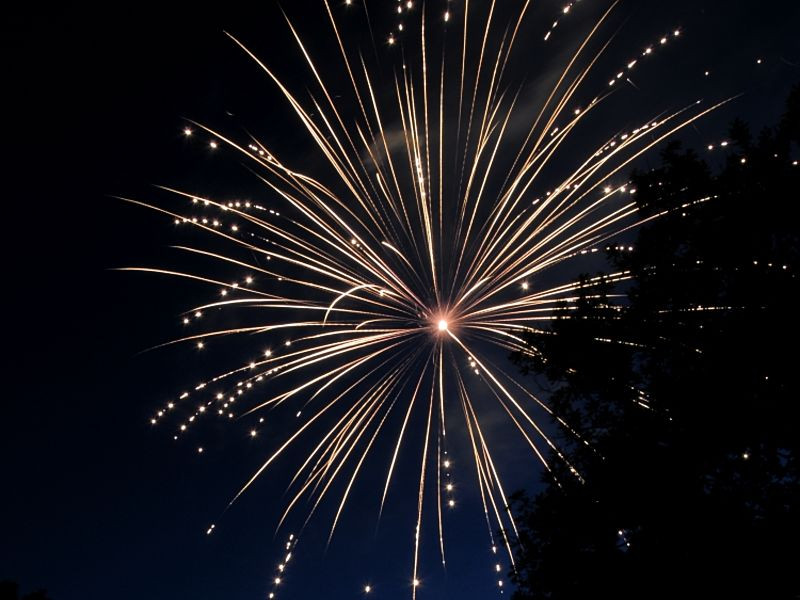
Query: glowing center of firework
442,325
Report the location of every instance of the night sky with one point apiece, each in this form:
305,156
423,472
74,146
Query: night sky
96,503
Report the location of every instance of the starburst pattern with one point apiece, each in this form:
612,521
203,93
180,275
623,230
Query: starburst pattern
391,275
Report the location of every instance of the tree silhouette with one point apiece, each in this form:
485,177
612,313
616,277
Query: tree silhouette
9,590
684,393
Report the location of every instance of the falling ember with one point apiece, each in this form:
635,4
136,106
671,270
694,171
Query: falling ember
429,217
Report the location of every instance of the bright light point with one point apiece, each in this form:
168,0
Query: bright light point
268,353
213,145
447,464
416,582
451,503
497,568
449,487
745,456
442,325
200,345
187,131
253,433
524,285
277,581
198,314
199,450
367,589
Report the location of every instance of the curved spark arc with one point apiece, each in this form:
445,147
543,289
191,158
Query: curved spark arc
390,276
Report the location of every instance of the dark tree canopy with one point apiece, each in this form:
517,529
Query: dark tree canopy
683,384
9,590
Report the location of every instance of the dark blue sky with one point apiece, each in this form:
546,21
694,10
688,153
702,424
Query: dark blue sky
95,502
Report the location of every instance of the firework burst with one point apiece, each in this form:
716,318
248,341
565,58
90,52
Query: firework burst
419,247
